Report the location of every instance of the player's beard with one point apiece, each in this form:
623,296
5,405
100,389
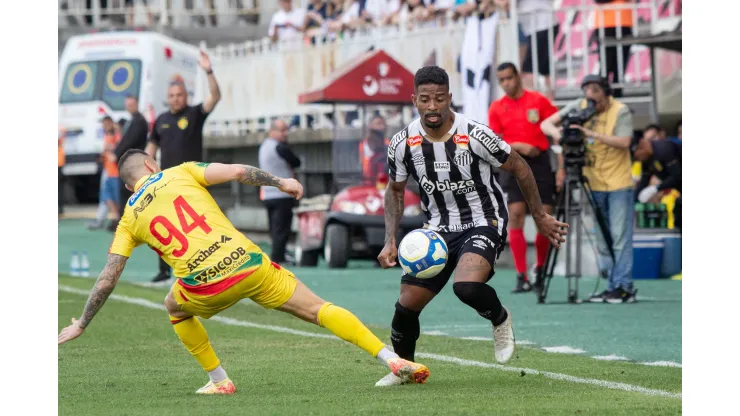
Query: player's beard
433,125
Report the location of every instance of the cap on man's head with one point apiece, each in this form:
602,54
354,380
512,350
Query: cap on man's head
596,79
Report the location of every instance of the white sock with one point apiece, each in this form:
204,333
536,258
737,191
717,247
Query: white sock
218,375
102,212
385,354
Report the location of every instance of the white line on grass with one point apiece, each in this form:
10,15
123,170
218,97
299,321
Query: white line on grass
557,376
460,361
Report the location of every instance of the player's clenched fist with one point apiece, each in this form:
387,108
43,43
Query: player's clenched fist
291,187
388,256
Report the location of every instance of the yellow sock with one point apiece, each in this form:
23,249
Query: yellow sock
346,326
194,336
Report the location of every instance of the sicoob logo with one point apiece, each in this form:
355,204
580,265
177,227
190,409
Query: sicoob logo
228,264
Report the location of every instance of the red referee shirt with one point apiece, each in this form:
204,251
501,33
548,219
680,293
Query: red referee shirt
519,120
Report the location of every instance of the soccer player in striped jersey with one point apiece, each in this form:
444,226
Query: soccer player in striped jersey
453,159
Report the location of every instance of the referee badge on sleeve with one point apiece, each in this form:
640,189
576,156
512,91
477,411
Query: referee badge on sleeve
533,115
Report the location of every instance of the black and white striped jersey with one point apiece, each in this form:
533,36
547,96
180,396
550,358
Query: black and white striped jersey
458,188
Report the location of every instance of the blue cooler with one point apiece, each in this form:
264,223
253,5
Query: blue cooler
671,255
647,250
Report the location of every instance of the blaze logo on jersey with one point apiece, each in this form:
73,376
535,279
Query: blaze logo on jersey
461,139
459,187
415,140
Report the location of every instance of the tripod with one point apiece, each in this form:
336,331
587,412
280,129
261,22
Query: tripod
568,210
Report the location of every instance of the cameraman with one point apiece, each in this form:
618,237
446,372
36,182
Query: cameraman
607,136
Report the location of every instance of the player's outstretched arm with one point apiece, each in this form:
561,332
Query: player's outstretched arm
217,173
546,224
393,212
103,288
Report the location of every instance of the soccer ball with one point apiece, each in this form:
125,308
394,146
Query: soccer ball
422,253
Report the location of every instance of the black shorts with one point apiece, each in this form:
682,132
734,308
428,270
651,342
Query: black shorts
543,175
543,52
484,241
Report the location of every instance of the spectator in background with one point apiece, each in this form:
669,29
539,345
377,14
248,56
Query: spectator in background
109,192
608,136
287,23
661,159
614,21
61,159
516,117
380,12
653,132
135,132
373,149
178,132
536,17
316,15
276,157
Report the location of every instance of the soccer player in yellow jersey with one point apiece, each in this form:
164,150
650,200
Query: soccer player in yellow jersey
216,266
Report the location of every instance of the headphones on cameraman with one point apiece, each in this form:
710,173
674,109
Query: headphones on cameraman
597,79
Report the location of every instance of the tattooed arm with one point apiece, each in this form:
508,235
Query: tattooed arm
546,224
103,287
516,166
217,173
393,213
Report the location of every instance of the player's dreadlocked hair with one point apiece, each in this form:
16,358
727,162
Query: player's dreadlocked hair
431,75
124,170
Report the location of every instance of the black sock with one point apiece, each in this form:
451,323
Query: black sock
405,332
483,299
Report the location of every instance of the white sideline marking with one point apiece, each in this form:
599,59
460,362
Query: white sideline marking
610,357
564,349
437,333
489,339
557,376
663,364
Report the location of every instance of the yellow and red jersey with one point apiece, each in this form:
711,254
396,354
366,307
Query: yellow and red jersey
173,213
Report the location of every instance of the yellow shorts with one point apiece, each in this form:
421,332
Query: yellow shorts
269,285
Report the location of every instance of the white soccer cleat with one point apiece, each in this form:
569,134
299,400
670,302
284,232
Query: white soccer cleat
389,380
503,340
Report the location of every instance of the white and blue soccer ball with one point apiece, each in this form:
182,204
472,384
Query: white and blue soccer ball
422,253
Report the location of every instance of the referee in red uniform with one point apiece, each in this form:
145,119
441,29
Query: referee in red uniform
516,117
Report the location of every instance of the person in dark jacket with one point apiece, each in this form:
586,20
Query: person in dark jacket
135,131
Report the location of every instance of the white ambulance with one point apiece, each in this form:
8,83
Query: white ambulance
96,73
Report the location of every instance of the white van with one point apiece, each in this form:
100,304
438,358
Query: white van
96,73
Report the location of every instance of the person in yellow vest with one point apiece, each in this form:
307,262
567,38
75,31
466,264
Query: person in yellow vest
61,160
608,137
615,17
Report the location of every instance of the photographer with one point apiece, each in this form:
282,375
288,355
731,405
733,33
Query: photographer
662,159
607,136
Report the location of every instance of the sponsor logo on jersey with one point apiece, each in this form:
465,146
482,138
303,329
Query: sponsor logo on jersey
461,139
463,158
441,166
151,180
415,140
147,200
458,187
487,138
229,263
395,141
418,160
198,258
